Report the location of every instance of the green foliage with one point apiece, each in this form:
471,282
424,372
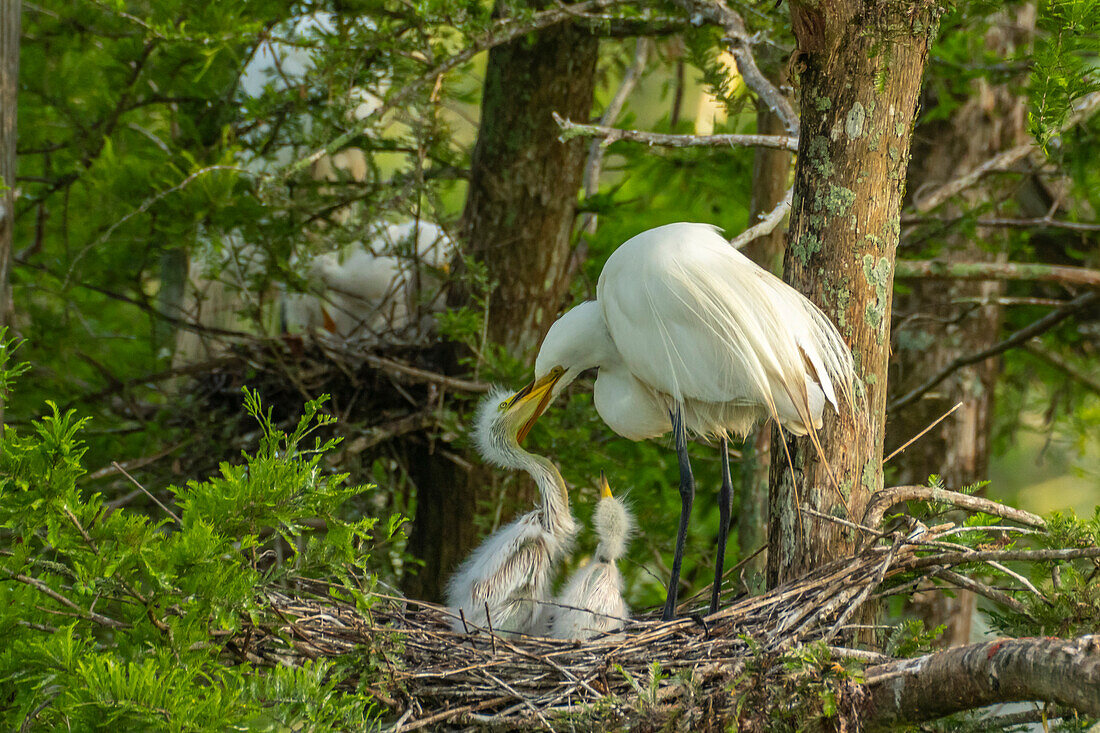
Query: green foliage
1064,63
113,618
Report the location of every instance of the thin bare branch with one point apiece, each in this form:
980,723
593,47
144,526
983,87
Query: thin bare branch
613,135
1035,348
1042,325
917,437
1044,222
1035,272
883,501
145,491
594,164
767,223
740,42
1083,110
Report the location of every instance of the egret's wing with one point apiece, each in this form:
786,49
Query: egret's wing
697,320
507,561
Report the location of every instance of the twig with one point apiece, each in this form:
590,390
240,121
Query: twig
961,558
982,589
717,12
1028,271
612,135
592,168
1045,323
1034,348
767,223
1044,222
917,437
80,612
882,501
134,481
462,385
1084,109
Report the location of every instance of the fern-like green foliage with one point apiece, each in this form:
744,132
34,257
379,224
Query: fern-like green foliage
112,618
1064,63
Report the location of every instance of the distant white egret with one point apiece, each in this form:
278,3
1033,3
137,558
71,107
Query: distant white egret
689,335
374,288
592,601
506,581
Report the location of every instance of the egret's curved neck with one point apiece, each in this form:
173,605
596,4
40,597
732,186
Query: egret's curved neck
556,517
577,341
610,549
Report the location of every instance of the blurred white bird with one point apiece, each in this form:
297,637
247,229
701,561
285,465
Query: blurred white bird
592,602
374,289
506,581
689,335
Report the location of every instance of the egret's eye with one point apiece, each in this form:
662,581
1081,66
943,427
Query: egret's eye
504,405
557,370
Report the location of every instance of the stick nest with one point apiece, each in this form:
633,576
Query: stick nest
431,676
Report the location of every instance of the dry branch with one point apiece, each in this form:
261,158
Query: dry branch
1083,110
611,135
1034,272
883,501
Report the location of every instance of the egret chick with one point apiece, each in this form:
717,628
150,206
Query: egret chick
592,602
505,582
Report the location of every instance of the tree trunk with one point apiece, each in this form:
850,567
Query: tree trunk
940,322
9,84
524,181
860,72
518,218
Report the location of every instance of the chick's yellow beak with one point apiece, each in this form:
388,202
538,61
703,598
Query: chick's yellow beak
538,392
605,488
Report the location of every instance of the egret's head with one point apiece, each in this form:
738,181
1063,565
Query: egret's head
577,341
613,523
503,419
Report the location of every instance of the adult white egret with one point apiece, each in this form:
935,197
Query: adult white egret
690,336
592,602
506,581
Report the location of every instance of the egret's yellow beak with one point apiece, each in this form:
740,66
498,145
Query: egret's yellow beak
605,488
539,392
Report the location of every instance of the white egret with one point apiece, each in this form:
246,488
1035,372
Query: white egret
373,288
690,336
592,602
506,581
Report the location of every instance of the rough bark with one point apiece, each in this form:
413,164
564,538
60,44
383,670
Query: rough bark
1066,672
519,214
939,322
9,77
524,181
860,68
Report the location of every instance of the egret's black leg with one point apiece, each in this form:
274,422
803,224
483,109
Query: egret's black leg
725,505
687,495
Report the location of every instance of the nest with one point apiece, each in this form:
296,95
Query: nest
429,675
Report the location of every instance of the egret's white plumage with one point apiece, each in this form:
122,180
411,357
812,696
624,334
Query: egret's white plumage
688,332
373,288
506,581
592,601
683,319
